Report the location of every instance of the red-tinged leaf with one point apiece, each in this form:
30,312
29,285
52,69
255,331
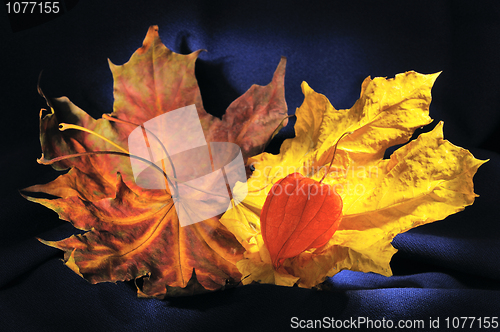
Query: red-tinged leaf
155,81
299,214
134,232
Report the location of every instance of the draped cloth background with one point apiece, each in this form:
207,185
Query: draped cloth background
446,269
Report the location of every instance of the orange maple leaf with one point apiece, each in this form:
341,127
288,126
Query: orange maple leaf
133,232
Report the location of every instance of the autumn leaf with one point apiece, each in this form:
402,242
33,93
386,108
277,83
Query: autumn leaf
132,232
423,181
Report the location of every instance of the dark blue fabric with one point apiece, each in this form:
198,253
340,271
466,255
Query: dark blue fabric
446,269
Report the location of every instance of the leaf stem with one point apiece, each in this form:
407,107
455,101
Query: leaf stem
44,161
111,118
333,157
66,126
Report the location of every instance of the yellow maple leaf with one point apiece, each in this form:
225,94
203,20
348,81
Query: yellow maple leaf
423,181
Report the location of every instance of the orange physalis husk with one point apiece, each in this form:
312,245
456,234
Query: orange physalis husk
299,214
